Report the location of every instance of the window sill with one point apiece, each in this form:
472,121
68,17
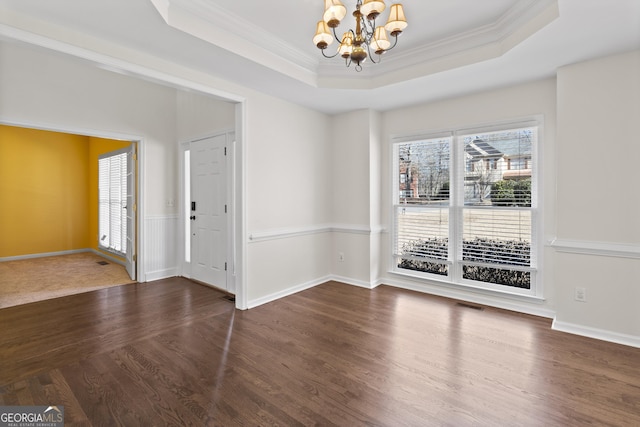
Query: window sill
465,287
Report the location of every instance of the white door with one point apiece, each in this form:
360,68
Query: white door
208,211
130,251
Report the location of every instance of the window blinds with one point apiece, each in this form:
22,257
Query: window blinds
112,194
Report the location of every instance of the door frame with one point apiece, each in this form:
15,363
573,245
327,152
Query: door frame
184,266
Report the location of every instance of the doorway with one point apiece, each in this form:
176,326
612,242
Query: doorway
206,177
54,208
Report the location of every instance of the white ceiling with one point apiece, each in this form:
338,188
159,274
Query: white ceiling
451,47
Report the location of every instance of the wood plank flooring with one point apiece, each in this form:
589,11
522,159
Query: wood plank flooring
173,352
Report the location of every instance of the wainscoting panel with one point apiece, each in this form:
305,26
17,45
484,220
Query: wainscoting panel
160,247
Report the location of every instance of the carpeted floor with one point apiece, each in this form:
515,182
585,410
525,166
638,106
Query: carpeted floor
40,279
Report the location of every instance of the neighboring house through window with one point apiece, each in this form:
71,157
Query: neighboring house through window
472,219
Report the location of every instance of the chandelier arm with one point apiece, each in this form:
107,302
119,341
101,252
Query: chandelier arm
329,56
373,61
335,35
395,42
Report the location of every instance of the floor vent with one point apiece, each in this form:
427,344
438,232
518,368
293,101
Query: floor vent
102,262
229,298
474,307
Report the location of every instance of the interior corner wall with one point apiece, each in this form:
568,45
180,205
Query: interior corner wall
288,176
44,191
351,195
598,211
376,148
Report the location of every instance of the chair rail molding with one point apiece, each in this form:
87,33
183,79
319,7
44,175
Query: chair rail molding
285,233
584,247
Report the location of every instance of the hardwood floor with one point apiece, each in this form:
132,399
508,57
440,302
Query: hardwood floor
176,353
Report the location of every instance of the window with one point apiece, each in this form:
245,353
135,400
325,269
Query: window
112,195
187,206
472,218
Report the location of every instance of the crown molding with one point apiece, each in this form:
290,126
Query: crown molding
475,45
231,32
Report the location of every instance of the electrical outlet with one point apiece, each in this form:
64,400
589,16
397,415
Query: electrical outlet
581,294
341,256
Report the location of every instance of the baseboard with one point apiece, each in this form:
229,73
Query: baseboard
599,334
354,282
284,293
43,255
109,257
505,303
512,305
151,276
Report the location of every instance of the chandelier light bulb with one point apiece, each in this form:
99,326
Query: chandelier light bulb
380,41
397,21
334,11
372,8
346,46
323,37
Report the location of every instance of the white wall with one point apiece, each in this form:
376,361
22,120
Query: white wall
288,198
350,138
356,150
200,115
513,103
598,208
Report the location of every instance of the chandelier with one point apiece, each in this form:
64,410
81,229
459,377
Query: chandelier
368,39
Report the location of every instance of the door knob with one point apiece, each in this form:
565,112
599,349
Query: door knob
193,217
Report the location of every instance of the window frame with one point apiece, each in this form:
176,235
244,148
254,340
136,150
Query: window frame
456,208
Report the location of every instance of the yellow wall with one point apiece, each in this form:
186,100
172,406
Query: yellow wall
48,191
